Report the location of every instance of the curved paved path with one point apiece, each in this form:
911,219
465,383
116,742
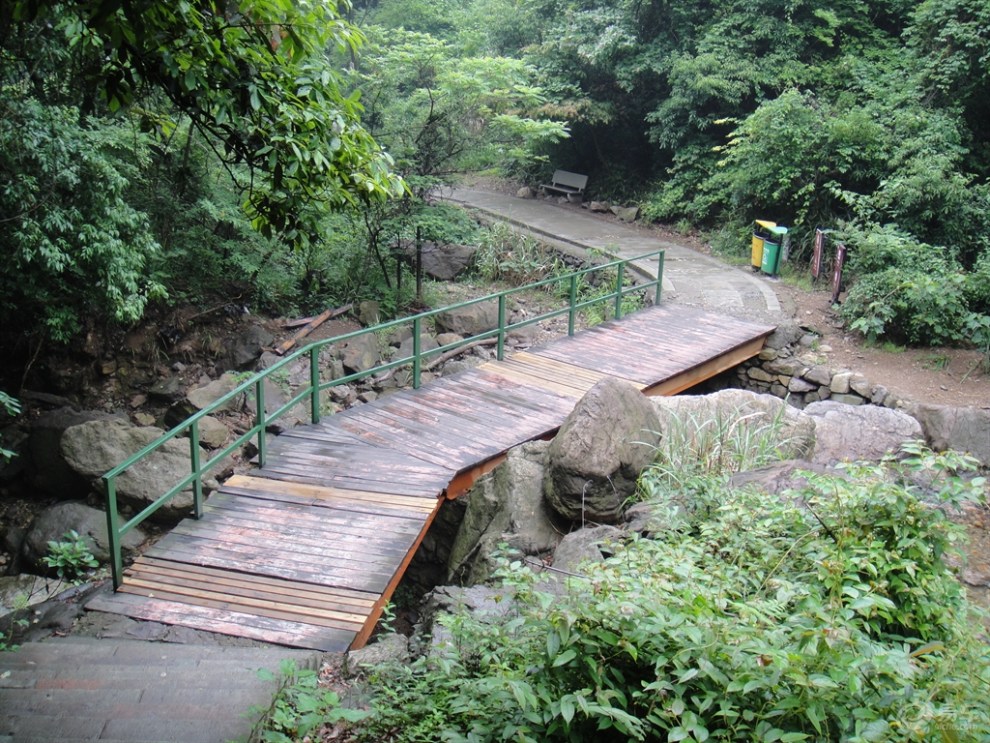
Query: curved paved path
689,277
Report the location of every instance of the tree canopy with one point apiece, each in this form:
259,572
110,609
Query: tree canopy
274,145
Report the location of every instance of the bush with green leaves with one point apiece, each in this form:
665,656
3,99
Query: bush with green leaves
905,290
300,706
70,557
829,613
10,406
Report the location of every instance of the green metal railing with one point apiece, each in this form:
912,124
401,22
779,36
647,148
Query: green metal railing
256,385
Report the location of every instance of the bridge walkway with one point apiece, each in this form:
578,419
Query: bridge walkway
307,550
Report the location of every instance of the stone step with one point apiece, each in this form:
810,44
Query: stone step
70,689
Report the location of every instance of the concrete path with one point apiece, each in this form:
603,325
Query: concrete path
85,689
689,277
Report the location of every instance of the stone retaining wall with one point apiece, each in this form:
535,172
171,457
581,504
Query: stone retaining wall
790,366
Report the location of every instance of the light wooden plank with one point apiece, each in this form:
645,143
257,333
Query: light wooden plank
239,624
358,600
200,595
323,493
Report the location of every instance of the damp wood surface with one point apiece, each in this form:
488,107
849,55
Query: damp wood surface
306,550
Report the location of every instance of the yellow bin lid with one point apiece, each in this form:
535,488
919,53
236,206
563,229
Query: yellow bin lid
766,223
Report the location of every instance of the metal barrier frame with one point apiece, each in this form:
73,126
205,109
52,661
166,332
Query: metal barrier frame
255,386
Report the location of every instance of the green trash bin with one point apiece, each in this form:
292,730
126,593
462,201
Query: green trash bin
761,231
770,263
771,258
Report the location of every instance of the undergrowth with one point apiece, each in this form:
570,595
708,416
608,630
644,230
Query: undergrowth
828,613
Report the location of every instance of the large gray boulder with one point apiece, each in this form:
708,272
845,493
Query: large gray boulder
248,346
205,395
93,448
779,477
961,429
361,353
506,507
488,605
582,547
597,456
443,262
470,320
52,524
733,409
49,471
858,432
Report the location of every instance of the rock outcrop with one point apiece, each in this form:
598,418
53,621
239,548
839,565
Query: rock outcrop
596,457
91,449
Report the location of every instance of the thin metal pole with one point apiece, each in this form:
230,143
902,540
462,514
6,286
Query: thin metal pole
197,482
501,327
619,274
573,300
259,421
314,383
113,533
660,258
417,361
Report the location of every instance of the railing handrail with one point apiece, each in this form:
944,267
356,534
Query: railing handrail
255,384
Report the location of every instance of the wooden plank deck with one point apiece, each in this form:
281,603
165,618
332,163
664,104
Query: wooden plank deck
307,550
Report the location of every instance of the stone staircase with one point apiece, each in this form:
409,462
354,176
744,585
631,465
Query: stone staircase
86,689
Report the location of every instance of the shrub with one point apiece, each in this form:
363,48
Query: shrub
824,615
70,557
904,290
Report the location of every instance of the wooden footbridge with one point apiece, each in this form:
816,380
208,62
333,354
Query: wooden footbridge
306,549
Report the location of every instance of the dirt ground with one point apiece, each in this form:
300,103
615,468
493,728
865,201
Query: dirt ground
942,376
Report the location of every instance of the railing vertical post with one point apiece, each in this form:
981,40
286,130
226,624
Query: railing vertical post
500,355
417,361
572,295
619,276
314,383
197,482
113,532
259,420
660,258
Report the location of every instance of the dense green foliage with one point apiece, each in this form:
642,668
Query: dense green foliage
9,406
824,614
864,118
272,152
154,153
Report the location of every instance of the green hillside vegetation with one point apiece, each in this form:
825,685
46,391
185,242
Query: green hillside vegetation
154,155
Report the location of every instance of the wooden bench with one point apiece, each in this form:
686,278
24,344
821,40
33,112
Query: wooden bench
566,183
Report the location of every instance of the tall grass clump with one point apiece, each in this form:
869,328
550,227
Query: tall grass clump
506,255
704,447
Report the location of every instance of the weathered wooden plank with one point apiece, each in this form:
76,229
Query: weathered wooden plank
359,600
295,472
535,378
185,590
314,495
321,525
365,549
353,553
239,624
306,534
217,556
